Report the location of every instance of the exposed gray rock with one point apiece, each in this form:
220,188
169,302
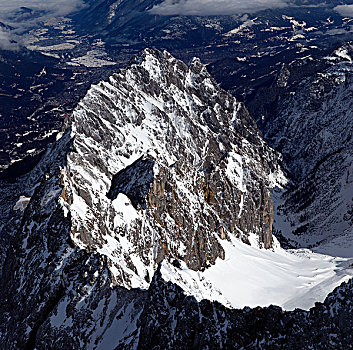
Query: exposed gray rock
187,155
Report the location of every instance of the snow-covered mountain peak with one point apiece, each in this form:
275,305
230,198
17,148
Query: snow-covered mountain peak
159,164
165,164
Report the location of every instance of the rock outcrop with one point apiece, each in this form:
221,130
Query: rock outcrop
166,164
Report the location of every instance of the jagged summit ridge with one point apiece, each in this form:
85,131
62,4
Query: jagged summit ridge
193,169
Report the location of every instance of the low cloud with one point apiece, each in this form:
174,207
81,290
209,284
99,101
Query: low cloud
21,20
8,40
47,7
215,7
344,10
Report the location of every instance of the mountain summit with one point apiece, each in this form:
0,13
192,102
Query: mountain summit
166,164
158,163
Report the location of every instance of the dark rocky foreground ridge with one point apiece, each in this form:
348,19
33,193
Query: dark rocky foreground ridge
81,265
171,320
165,318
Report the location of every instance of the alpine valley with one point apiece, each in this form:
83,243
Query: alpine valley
176,181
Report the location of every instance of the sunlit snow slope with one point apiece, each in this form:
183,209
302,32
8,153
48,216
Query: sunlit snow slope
255,277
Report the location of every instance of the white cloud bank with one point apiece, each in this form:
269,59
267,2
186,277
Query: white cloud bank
215,7
344,10
7,40
42,10
49,7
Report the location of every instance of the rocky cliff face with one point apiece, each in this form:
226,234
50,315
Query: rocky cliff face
165,165
159,163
